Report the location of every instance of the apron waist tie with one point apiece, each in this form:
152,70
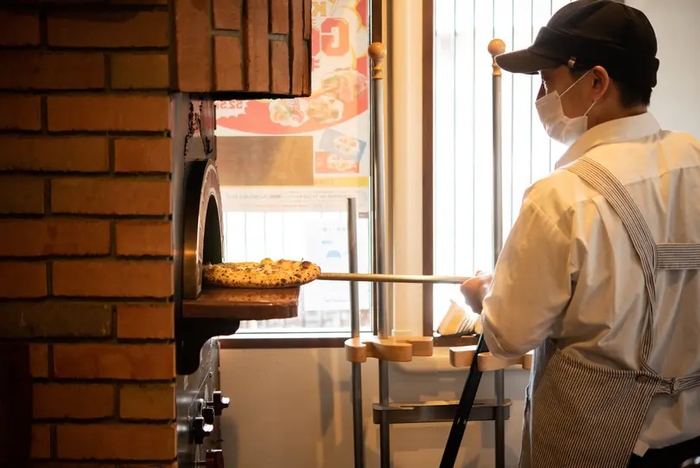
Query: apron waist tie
675,385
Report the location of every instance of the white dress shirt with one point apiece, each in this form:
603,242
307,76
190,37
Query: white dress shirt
568,269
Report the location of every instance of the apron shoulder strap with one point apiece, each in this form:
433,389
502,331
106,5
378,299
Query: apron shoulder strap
602,180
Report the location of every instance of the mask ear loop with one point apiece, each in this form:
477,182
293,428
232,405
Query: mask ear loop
575,83
589,108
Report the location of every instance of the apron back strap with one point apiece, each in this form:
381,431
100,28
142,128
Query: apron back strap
678,256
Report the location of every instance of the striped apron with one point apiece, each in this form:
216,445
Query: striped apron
581,415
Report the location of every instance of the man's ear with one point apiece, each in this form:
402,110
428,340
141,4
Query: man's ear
601,82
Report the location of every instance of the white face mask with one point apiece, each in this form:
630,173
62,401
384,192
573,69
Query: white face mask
558,126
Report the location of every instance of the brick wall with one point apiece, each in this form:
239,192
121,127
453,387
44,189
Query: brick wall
85,230
256,46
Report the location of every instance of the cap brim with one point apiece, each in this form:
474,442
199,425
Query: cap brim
525,61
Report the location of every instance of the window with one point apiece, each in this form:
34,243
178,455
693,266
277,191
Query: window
287,168
463,129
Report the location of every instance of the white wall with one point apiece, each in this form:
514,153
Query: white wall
676,99
292,409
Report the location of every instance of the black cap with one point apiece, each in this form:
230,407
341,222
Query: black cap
586,33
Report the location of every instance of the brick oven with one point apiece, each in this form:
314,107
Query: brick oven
106,112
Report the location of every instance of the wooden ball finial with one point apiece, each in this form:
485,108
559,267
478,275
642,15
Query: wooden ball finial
377,53
496,47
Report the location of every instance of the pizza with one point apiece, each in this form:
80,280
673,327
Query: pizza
264,274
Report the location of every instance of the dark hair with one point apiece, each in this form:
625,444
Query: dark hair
630,95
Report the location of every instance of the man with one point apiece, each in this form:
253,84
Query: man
599,272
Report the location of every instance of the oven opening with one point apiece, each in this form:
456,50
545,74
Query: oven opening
212,250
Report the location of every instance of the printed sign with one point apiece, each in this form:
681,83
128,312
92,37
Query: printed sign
335,115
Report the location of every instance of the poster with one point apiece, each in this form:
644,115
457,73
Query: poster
307,154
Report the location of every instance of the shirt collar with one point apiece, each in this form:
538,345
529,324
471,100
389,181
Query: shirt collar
613,131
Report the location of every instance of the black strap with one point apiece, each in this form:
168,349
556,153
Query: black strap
466,402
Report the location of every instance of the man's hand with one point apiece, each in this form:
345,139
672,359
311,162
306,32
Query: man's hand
475,289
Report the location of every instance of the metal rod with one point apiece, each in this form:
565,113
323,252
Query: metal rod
378,278
357,422
497,47
384,426
377,52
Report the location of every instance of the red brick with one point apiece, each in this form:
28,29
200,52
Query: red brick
193,42
105,464
110,278
257,59
75,401
280,67
279,17
20,112
39,360
143,155
154,465
227,14
22,279
41,441
111,196
122,112
142,238
140,71
138,2
308,24
227,60
147,402
114,361
55,319
146,321
298,47
116,442
70,154
21,195
113,29
36,238
306,66
19,28
55,70
67,464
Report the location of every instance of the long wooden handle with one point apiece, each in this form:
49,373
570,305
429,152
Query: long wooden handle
380,278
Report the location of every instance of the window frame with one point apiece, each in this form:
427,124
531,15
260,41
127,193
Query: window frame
428,135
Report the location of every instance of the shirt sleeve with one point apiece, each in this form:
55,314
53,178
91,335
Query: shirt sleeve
531,285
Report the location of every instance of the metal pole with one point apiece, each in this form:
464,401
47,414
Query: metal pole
377,52
471,385
357,422
497,47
